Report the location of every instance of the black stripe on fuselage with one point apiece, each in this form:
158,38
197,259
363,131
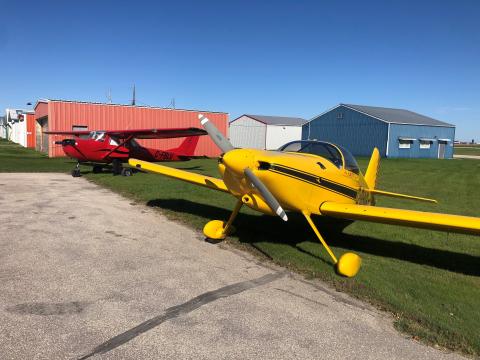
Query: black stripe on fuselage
314,180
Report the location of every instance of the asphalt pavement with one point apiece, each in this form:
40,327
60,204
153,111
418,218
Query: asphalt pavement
86,273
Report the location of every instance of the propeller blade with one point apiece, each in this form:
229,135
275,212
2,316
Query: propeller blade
217,137
266,194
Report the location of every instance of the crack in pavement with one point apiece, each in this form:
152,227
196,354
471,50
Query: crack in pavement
301,297
182,309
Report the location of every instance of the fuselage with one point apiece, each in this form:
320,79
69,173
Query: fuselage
299,181
107,149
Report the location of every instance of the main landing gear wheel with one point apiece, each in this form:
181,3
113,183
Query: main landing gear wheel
218,229
127,172
215,230
349,264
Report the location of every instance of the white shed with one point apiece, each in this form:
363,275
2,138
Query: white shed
15,126
264,132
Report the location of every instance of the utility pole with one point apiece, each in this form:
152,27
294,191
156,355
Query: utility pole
133,98
109,96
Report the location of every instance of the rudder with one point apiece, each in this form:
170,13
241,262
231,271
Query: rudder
188,146
372,169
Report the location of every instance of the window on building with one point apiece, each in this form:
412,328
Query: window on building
80,128
405,143
425,144
340,115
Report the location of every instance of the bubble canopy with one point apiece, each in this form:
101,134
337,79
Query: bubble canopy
338,155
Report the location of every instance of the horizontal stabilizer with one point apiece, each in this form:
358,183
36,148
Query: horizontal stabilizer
194,178
420,219
403,196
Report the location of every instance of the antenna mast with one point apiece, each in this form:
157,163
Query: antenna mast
109,96
133,98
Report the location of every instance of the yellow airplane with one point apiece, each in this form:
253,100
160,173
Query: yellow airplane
310,177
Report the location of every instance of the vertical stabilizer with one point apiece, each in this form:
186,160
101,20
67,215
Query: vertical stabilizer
372,169
187,147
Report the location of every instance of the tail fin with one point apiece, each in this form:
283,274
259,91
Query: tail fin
371,180
372,169
187,147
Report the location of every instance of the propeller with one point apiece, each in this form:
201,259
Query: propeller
217,137
266,194
226,146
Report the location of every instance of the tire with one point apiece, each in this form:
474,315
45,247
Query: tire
126,172
97,169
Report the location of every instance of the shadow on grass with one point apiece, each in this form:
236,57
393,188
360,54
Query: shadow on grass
252,229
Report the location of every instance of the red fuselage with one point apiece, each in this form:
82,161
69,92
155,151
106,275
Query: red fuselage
107,149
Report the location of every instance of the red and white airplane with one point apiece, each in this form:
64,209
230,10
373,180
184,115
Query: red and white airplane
115,147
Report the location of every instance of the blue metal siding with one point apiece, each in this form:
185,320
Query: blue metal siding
416,132
355,131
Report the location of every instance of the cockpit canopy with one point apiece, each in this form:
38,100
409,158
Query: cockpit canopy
338,155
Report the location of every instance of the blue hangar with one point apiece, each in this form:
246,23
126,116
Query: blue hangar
395,132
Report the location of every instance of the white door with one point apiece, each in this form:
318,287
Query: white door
441,150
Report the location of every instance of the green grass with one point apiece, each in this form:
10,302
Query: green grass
429,280
467,150
14,158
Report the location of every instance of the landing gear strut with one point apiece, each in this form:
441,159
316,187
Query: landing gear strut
117,167
349,263
217,229
76,171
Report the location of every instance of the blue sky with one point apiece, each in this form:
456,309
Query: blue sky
291,58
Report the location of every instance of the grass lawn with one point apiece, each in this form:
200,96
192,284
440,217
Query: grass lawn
467,150
14,158
429,280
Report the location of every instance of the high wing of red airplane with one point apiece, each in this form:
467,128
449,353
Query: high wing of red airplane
102,147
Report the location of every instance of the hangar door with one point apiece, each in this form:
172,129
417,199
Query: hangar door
42,139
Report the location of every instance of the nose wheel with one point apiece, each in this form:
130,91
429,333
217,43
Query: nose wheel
76,171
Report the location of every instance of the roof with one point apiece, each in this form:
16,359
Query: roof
276,120
128,105
397,116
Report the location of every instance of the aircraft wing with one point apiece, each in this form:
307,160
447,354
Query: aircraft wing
194,178
74,133
420,219
157,133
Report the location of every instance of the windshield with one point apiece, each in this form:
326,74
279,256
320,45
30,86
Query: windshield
97,135
325,150
350,162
